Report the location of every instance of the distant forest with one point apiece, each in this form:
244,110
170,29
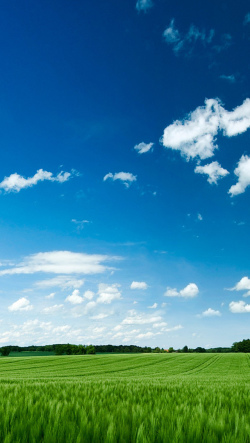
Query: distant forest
69,349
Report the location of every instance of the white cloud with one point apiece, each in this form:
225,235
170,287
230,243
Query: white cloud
162,324
100,316
188,41
213,170
141,148
126,177
211,313
60,262
195,136
108,293
189,291
89,306
242,285
139,285
61,329
52,309
140,319
89,295
23,304
75,298
62,281
146,335
52,295
243,174
154,306
174,328
239,307
247,19
16,182
144,5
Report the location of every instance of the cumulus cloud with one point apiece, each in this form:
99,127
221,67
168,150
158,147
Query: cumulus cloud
22,304
213,170
139,285
16,182
239,307
188,41
60,262
52,309
140,319
211,313
108,293
195,136
144,5
75,298
243,173
62,281
242,285
126,177
141,148
189,291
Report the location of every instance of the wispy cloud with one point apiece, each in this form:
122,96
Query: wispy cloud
189,291
213,170
144,5
243,174
135,318
225,43
62,281
60,262
52,309
154,306
186,42
80,223
126,177
228,78
16,182
141,148
195,136
247,19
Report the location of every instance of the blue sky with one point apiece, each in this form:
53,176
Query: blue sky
124,172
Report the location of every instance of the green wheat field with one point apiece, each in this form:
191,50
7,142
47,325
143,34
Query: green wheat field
125,398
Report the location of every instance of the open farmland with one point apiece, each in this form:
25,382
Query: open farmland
125,398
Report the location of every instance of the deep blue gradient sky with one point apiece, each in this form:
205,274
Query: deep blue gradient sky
83,83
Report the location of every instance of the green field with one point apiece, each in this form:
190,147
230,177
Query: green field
125,398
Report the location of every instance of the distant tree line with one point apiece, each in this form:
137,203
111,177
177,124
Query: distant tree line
69,349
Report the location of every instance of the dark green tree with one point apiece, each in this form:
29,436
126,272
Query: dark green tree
5,351
90,349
